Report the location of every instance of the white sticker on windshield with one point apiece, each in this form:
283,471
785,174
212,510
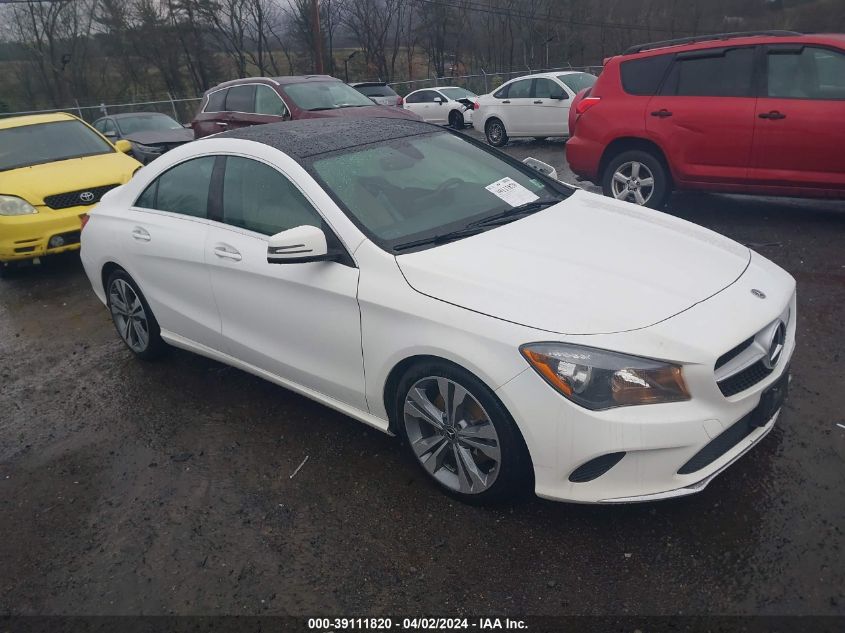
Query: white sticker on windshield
511,192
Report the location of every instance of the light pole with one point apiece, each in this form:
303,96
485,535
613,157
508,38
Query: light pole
546,43
346,65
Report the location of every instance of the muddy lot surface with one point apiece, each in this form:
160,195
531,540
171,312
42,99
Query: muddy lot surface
165,488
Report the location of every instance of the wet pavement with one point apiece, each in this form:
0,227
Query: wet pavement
159,488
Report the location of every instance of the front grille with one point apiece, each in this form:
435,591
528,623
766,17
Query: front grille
731,354
75,198
595,468
745,379
719,446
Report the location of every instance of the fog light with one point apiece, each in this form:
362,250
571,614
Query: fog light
56,241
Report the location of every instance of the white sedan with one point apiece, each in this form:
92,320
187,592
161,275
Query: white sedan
443,105
530,106
512,330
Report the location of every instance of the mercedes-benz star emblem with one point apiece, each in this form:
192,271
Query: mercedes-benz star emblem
86,196
775,346
758,293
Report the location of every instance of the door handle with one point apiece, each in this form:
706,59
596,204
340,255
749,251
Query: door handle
774,115
662,113
140,234
221,123
538,102
506,101
224,251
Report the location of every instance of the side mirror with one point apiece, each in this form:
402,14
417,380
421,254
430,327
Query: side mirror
299,245
543,168
110,134
438,100
123,146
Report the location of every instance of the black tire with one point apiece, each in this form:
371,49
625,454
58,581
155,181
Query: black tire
495,132
513,472
154,346
657,197
456,120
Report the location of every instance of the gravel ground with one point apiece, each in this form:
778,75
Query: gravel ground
164,488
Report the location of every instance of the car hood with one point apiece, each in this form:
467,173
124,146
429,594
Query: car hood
35,183
168,137
589,265
391,112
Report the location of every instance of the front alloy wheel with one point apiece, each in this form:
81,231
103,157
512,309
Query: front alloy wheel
452,435
460,433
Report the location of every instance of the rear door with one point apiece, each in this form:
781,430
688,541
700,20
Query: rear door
704,115
213,118
516,109
164,238
799,139
424,105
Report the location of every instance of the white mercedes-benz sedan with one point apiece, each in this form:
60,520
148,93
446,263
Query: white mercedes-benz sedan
514,331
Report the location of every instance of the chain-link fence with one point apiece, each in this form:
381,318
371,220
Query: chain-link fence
482,82
181,109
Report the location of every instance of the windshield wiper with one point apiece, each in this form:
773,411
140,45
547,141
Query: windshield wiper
513,213
443,238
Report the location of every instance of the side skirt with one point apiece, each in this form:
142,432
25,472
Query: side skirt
337,405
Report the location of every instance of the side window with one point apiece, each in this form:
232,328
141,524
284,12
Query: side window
415,97
717,73
520,89
241,99
100,125
502,93
808,73
268,102
181,189
108,127
546,89
216,101
642,77
427,96
259,198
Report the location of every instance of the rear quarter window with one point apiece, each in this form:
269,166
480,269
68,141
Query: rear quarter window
216,101
644,76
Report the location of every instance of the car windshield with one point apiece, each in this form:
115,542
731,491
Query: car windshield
147,123
408,189
325,95
576,82
376,91
458,93
48,142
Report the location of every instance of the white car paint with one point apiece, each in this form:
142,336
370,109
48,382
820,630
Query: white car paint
527,116
438,113
588,271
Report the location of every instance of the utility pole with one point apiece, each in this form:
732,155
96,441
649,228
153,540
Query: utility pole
318,37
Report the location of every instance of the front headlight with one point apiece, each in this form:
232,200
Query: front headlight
598,379
149,149
12,205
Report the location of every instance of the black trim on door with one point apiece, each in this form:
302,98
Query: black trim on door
215,190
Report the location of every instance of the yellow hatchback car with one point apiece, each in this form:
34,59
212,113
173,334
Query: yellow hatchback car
53,168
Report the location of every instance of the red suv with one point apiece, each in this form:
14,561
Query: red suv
757,113
258,100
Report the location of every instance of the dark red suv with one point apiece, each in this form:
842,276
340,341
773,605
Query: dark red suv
258,100
755,113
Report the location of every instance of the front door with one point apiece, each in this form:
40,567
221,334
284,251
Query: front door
704,116
550,108
799,138
297,321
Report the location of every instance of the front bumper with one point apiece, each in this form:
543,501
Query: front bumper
24,237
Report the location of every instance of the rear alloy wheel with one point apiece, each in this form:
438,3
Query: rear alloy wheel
460,434
456,120
495,132
132,317
639,177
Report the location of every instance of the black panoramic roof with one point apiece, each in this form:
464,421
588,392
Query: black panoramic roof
309,137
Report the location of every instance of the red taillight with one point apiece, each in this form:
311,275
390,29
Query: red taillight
400,101
476,105
585,104
84,217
